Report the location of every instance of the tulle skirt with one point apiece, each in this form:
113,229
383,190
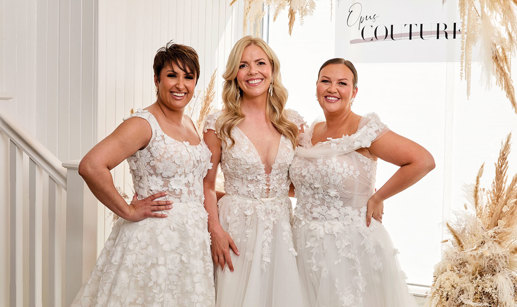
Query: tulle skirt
265,274
344,263
155,262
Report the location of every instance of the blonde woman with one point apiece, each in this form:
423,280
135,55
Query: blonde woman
253,139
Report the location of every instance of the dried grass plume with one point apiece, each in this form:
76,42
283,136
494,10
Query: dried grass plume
493,23
254,11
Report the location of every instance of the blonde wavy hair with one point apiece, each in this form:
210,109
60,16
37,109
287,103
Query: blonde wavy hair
232,114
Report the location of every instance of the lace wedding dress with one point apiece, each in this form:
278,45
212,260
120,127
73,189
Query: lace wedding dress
342,262
159,261
256,213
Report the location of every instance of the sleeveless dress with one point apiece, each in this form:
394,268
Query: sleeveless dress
159,261
342,262
256,212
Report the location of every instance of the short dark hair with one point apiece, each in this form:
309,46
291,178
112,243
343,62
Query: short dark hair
184,56
344,62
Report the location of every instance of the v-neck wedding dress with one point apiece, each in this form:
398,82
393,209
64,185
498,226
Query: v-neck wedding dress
256,212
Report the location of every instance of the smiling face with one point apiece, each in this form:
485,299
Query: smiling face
255,70
175,87
335,88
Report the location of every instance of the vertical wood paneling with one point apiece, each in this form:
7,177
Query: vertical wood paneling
52,76
76,75
88,81
41,70
64,80
47,46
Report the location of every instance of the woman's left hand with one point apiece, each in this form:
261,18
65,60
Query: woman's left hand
375,209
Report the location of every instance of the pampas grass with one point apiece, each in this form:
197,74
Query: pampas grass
494,24
206,105
479,268
254,11
200,108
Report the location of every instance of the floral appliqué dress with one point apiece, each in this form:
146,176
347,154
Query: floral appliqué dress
159,261
256,212
342,262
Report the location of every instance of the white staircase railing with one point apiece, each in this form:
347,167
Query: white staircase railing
49,217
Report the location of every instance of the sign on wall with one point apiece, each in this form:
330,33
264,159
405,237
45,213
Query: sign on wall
398,30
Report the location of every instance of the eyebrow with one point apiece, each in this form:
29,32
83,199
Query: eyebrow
173,71
323,76
261,59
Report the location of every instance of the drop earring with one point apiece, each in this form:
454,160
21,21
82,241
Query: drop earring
271,89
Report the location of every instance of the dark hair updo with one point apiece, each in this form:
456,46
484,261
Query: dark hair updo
344,62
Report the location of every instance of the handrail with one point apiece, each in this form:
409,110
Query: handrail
37,152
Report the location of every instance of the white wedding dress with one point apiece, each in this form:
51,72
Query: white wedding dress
159,261
256,212
342,262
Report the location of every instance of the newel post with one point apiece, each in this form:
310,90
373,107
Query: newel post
81,231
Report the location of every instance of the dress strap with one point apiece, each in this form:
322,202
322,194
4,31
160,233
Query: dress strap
211,120
369,130
153,123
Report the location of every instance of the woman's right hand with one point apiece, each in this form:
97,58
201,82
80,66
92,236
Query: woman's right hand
221,244
140,209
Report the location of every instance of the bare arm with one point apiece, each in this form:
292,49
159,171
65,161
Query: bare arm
221,240
414,161
95,167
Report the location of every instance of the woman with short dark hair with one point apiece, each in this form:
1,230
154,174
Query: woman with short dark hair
158,253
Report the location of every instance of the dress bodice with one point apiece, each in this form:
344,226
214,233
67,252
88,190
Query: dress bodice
244,172
166,164
331,178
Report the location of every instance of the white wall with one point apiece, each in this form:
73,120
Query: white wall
48,57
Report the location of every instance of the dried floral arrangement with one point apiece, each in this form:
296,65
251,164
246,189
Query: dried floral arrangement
494,24
254,11
479,268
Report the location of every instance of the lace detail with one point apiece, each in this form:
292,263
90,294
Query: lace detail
333,183
296,118
210,120
159,262
269,212
256,212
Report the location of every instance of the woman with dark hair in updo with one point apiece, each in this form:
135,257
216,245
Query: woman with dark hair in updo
345,255
158,252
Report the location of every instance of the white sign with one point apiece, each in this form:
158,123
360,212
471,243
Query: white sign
398,30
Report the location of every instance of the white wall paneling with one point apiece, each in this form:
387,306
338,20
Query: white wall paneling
48,56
